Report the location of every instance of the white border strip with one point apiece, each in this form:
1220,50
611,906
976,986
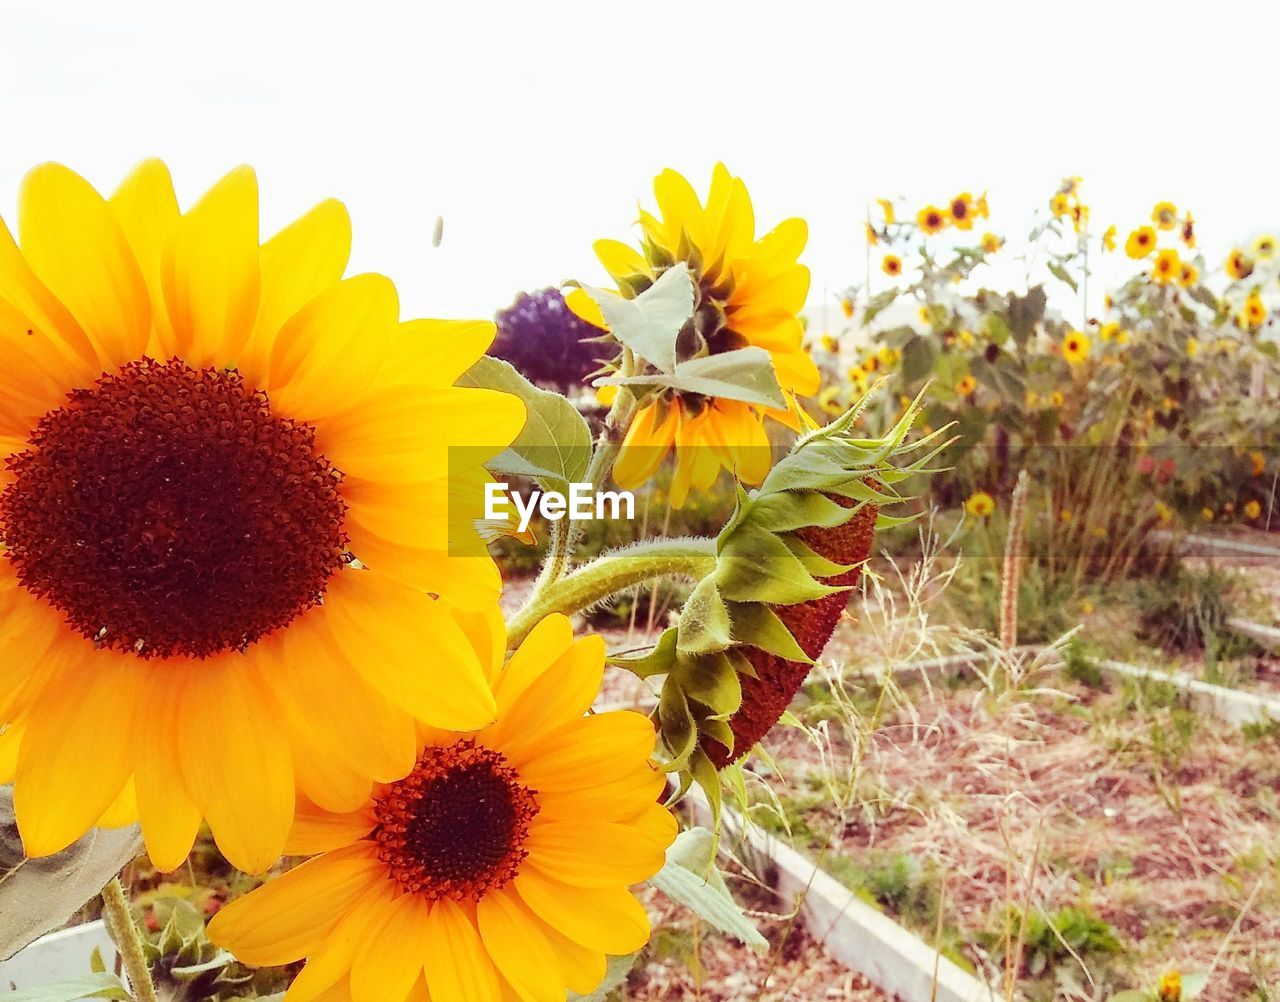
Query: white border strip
1194,544
850,930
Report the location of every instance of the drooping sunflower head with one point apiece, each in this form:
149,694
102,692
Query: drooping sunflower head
991,243
1253,314
1189,231
891,265
497,867
221,461
1189,275
1165,215
1264,247
1239,265
967,386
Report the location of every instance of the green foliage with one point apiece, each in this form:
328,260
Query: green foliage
1049,941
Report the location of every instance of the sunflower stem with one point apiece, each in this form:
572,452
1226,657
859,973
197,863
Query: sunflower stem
614,572
566,534
128,940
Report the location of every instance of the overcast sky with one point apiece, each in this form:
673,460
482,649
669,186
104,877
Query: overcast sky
534,128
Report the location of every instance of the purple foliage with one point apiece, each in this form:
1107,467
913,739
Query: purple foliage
542,338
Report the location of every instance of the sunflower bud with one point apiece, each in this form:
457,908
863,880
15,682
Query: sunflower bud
785,562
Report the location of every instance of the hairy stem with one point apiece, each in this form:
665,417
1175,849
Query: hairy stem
612,573
128,940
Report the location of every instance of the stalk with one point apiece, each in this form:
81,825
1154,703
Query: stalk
128,940
611,573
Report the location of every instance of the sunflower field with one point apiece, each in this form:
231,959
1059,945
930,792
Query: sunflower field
320,686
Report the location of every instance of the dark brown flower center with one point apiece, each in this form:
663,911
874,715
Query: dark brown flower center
456,826
169,512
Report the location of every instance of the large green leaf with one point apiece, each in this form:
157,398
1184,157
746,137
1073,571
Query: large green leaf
650,323
690,878
102,985
744,374
39,895
555,444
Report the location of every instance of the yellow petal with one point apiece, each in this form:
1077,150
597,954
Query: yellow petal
316,830
326,355
74,244
386,966
456,962
147,210
472,582
20,287
581,968
574,752
518,948
297,264
67,774
619,259
609,919
122,811
289,917
435,352
582,306
10,743
327,967
405,434
589,853
236,761
407,647
170,818
210,273
559,693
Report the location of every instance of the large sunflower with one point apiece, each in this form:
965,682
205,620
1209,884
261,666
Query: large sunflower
497,869
222,505
749,292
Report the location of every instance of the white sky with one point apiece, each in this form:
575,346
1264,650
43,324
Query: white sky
533,128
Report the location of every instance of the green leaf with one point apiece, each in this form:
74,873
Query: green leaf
615,973
917,358
554,447
101,985
704,621
1025,312
650,323
1062,275
997,329
39,895
690,878
1193,985
744,374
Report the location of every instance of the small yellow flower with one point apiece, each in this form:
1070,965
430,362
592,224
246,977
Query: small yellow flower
1066,516
1252,509
1206,513
962,211
1075,347
1254,312
991,243
1164,514
891,265
1122,336
1189,231
980,208
926,314
980,504
931,219
1193,347
1167,267
1165,215
1086,607
856,375
873,237
1239,265
1189,276
1033,398
1079,216
830,343
889,356
966,386
966,338
1107,301
1057,399
1060,204
1265,247
1258,462
1141,242
887,208
1108,331
871,364
846,306
1170,988
1109,238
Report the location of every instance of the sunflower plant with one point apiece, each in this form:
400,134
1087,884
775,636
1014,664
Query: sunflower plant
245,588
